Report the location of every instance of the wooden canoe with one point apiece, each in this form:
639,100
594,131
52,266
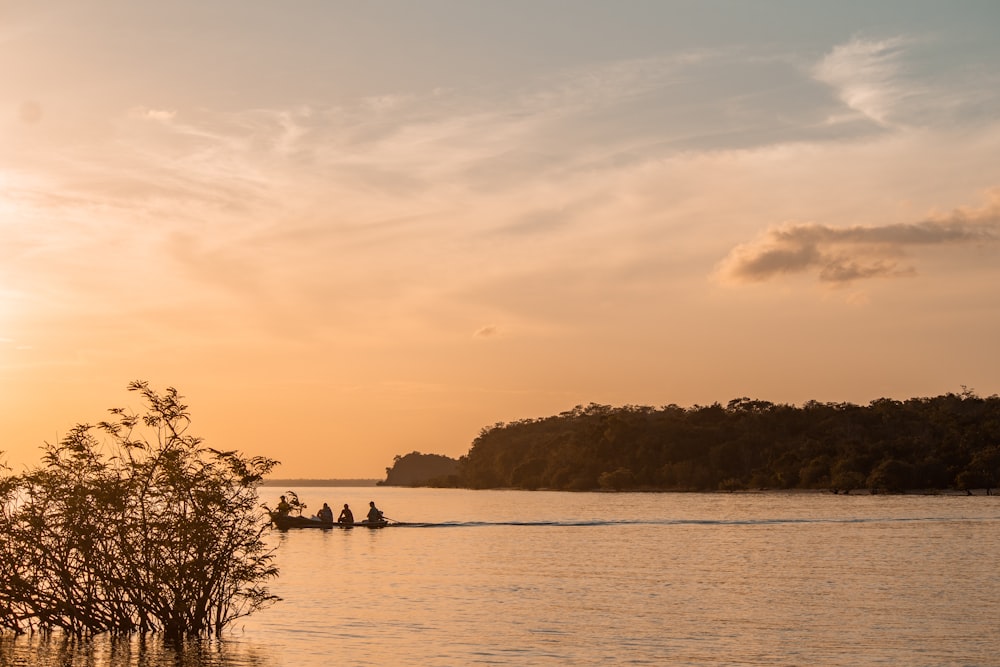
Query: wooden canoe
287,521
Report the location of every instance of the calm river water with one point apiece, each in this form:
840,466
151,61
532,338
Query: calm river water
539,578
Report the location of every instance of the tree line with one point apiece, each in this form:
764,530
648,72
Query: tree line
132,525
945,442
414,469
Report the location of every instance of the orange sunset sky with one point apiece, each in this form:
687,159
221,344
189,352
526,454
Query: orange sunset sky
350,230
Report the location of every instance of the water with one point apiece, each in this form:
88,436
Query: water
538,578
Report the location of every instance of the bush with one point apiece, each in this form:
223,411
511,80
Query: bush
146,531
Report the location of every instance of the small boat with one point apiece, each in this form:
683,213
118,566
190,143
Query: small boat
287,521
368,524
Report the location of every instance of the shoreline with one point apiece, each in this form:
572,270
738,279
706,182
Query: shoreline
292,482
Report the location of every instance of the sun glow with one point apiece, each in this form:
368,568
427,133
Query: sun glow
341,245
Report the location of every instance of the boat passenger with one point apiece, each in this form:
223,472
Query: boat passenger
374,513
283,507
346,516
325,514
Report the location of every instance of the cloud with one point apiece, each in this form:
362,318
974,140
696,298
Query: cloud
159,115
841,255
488,331
589,169
423,151
865,73
905,81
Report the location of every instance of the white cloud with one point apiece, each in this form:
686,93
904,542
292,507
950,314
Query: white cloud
865,75
158,115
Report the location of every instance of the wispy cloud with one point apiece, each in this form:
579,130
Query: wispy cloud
404,150
846,254
865,75
905,81
566,171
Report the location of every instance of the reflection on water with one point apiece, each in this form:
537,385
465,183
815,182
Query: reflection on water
539,578
103,651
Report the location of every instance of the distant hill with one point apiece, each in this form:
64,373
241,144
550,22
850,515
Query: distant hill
416,469
944,442
293,483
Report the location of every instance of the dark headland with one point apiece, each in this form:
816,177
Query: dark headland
948,443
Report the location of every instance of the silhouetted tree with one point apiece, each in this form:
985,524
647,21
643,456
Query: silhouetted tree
983,470
145,530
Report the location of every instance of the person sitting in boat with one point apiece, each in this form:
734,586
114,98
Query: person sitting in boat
346,516
325,514
283,507
374,513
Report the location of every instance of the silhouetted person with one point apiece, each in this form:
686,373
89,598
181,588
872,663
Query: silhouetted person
283,507
325,514
346,516
374,514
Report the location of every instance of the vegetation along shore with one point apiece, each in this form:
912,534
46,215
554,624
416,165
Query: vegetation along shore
948,442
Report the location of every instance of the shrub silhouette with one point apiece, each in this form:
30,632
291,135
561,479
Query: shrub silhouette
140,530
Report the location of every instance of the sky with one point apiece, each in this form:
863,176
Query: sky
350,230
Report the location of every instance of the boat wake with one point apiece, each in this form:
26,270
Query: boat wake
584,523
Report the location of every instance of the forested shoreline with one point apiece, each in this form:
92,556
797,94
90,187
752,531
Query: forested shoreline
948,442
